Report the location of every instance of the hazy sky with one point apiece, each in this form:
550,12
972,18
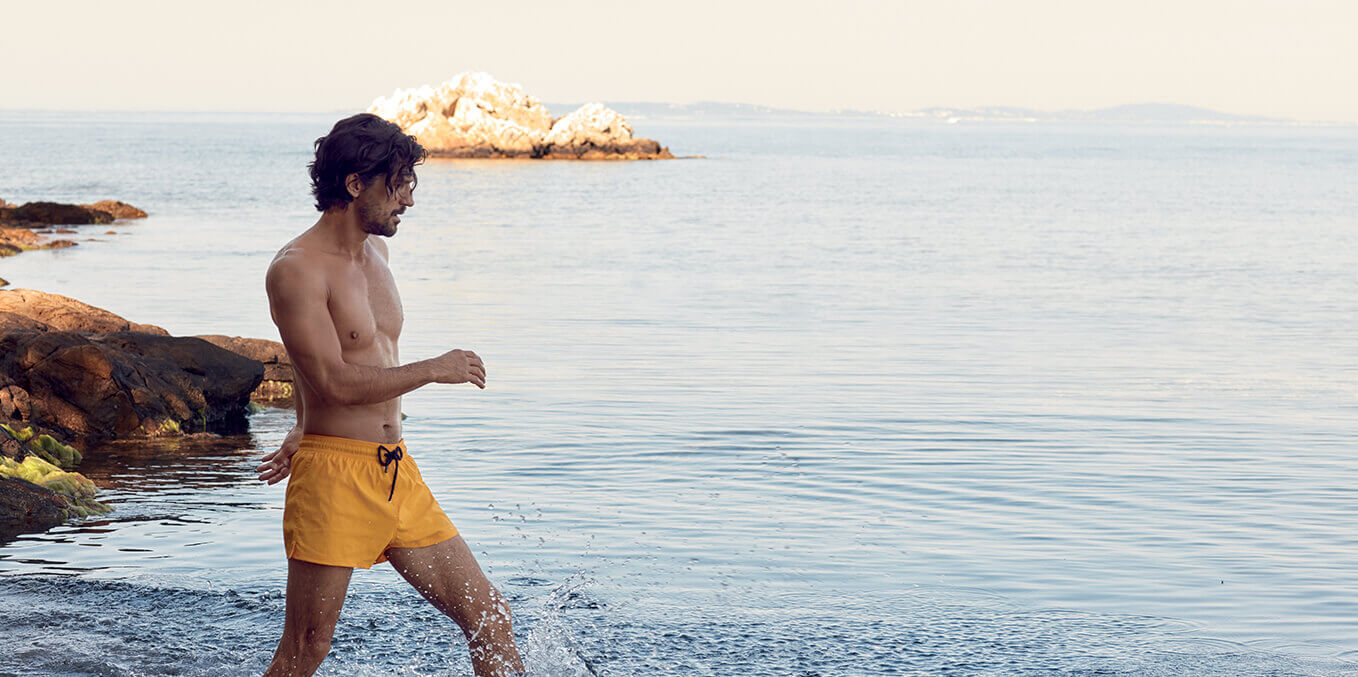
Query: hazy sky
1291,59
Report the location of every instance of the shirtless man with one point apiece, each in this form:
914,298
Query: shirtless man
356,497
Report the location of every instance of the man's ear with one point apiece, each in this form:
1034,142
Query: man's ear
354,184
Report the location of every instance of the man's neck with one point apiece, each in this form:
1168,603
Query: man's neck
341,228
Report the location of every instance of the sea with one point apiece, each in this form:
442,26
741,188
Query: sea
822,397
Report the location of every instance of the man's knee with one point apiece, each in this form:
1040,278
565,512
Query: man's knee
488,618
311,644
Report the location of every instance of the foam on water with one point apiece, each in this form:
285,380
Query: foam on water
129,627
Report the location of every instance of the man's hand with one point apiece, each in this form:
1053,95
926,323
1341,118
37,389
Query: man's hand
460,366
275,466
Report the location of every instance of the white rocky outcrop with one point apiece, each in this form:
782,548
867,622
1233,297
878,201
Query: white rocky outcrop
475,115
592,123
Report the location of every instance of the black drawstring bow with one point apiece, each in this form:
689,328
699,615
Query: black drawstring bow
386,457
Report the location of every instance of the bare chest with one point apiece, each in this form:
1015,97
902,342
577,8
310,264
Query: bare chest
366,308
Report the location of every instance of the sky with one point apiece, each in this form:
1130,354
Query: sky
1293,59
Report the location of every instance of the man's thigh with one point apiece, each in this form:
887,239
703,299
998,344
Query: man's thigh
448,576
315,596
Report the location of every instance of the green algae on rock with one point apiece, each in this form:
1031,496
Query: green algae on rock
47,447
77,490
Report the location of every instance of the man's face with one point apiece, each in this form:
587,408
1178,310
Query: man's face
379,209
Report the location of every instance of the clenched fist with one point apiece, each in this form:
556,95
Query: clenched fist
460,366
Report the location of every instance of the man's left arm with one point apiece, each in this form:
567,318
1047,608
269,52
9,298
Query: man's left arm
276,465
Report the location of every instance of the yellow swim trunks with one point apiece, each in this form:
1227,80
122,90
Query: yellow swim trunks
349,500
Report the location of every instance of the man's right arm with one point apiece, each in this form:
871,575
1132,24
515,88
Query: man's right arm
299,301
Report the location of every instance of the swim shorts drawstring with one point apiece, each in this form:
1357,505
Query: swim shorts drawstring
386,456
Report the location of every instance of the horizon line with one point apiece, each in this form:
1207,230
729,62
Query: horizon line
916,113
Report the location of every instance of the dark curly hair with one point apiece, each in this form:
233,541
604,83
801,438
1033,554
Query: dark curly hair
366,145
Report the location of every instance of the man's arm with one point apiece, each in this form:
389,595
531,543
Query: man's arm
299,301
277,464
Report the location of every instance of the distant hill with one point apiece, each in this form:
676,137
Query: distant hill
1164,113
694,111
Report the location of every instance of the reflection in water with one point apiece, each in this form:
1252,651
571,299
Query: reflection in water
201,461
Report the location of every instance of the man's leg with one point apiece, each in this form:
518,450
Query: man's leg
315,596
449,577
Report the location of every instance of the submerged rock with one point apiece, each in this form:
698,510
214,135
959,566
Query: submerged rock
14,240
475,115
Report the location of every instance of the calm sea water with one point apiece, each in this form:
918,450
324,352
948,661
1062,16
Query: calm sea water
838,399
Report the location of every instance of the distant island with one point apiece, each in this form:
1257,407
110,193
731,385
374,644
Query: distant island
1141,113
473,115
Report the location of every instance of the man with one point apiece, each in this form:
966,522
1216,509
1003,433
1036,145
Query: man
355,497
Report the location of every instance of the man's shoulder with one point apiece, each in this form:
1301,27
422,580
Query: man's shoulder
293,267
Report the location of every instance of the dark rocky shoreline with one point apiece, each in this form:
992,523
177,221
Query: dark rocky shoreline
25,227
75,376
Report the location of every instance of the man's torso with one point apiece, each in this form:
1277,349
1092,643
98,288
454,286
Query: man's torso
365,309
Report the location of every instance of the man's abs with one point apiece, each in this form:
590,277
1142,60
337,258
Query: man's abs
380,422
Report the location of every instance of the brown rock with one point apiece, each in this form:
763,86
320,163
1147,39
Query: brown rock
278,377
26,507
60,214
93,388
63,313
14,406
12,448
119,210
11,321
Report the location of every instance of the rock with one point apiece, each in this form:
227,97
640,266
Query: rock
474,115
592,124
14,405
63,313
58,214
278,378
26,507
36,495
12,448
14,240
95,387
119,210
10,321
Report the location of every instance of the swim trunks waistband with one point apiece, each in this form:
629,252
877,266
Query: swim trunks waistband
388,455
345,445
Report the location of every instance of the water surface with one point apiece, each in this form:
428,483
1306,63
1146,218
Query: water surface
868,398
